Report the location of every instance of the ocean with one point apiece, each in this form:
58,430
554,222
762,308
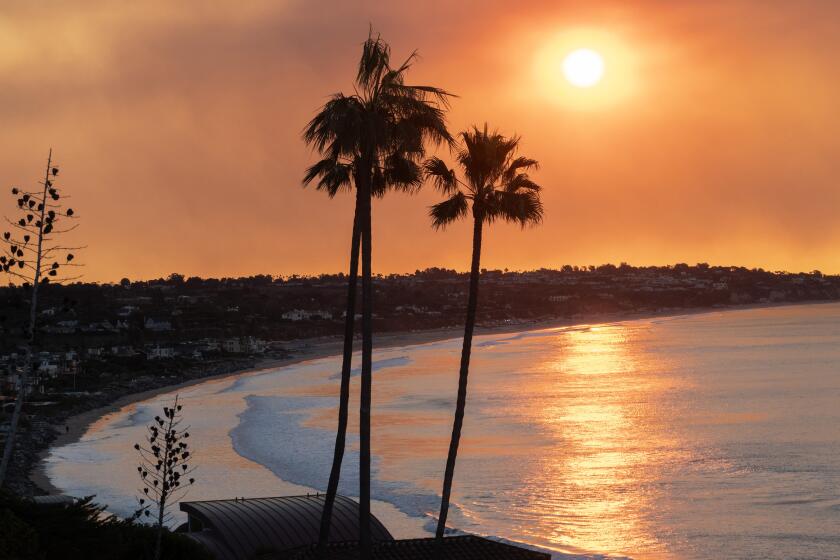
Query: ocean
708,435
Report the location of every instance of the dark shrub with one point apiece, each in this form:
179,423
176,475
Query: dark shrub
81,530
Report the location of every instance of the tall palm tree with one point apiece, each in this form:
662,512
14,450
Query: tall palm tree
497,185
372,141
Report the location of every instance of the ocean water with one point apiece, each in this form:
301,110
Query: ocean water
700,436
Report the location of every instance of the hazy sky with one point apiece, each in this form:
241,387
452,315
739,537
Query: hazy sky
713,136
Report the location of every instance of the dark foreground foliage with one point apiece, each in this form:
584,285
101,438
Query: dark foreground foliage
30,532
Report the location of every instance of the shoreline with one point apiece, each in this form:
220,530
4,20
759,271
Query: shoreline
324,347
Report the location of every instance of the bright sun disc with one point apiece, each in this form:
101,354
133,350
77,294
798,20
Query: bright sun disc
583,68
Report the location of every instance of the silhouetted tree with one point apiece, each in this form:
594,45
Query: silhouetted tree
497,185
32,258
372,140
164,468
82,529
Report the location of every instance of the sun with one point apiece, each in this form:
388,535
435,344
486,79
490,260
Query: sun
586,69
583,68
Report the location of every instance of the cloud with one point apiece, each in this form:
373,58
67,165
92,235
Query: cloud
178,126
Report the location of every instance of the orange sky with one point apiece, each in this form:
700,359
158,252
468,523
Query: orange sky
713,137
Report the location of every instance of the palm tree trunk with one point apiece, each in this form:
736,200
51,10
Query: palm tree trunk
27,367
472,304
367,366
344,394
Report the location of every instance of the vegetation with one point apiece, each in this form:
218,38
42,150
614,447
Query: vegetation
164,469
31,257
496,186
374,141
426,299
82,530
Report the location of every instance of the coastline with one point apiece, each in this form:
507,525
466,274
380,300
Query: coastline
324,347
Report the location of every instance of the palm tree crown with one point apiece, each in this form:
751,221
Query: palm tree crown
495,181
382,127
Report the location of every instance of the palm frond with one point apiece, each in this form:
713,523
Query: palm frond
442,177
408,62
402,174
378,185
524,208
519,165
332,176
407,137
430,123
427,93
375,60
521,182
337,126
451,209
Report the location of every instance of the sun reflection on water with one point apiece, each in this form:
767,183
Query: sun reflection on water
593,482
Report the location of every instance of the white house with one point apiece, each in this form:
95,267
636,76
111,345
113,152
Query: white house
158,353
254,345
127,310
245,345
303,315
46,367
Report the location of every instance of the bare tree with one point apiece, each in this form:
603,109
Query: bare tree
32,257
164,468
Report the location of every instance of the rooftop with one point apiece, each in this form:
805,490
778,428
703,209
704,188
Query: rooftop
241,528
465,547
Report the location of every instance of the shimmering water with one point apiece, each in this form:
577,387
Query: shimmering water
702,436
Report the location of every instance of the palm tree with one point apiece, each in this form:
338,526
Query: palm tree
372,141
497,184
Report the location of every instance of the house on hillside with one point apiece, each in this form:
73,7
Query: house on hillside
158,353
303,315
232,346
244,345
127,310
254,345
46,365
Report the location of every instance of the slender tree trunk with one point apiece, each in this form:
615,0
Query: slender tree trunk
166,472
462,377
27,367
344,394
159,535
367,366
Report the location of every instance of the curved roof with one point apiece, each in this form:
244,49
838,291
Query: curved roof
462,547
237,529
